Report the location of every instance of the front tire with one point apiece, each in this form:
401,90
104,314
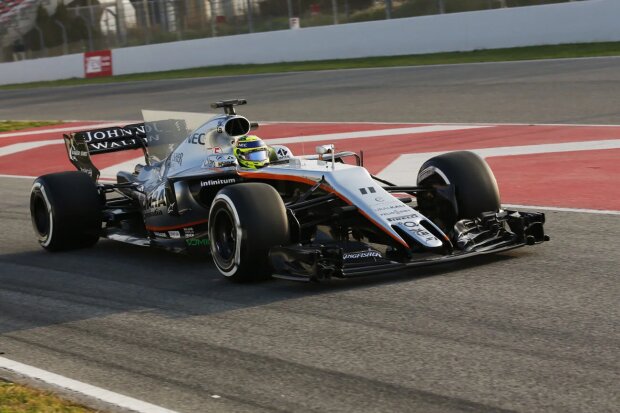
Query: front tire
245,221
65,209
475,187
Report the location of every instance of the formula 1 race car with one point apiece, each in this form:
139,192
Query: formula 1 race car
206,186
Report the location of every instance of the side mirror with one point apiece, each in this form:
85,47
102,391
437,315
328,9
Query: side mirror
323,149
327,149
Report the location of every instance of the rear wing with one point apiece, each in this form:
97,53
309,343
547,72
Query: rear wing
154,138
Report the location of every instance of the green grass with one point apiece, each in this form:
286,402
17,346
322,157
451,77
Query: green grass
11,125
495,55
15,398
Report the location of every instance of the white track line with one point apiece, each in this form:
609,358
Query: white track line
17,176
373,133
88,390
400,170
24,146
409,159
53,130
129,165
560,209
19,147
331,122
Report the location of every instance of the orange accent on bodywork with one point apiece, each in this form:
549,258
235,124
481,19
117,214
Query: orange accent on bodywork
327,188
189,224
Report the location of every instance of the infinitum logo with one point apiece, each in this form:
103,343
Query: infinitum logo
213,182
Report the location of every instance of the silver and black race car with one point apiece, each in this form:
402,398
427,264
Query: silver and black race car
299,217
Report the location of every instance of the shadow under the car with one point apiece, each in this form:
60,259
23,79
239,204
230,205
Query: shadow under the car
38,288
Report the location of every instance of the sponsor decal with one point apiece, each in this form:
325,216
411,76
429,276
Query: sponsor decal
121,137
98,63
152,213
219,161
430,171
214,182
174,234
416,228
197,138
75,151
104,146
160,126
425,173
87,171
197,242
172,207
115,133
401,218
388,207
368,190
393,209
361,254
177,158
160,234
282,153
220,127
393,212
156,199
125,143
215,149
379,199
189,232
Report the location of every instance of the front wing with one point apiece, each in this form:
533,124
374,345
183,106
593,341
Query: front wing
491,233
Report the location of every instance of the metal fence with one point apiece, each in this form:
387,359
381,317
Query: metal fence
87,25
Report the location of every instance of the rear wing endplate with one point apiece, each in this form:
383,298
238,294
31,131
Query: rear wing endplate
152,137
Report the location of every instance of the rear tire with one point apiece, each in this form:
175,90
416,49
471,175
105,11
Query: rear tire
65,209
245,221
475,187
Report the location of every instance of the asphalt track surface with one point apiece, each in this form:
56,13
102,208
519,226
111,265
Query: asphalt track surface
557,91
535,329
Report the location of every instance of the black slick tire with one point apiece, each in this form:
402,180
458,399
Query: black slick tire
65,209
475,187
245,221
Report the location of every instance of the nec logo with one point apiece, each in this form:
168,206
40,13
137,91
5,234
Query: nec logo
197,138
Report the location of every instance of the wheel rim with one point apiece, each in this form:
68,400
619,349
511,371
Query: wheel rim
41,216
224,238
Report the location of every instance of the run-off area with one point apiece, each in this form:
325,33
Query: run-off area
567,166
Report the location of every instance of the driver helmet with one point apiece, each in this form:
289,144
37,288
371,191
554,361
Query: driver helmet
251,152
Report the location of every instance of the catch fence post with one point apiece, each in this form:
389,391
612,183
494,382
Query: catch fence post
289,5
41,42
90,32
249,10
65,41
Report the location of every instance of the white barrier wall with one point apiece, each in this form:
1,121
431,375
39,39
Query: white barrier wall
574,22
50,68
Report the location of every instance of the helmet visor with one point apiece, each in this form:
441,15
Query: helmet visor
256,156
250,144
